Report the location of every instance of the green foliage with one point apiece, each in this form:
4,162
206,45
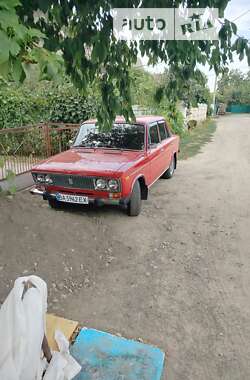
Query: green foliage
18,107
155,92
196,92
175,118
234,88
1,166
143,87
24,144
69,106
241,46
51,33
20,46
176,86
10,177
44,101
196,138
36,102
1,162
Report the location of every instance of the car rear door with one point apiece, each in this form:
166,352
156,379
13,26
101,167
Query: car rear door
154,152
166,149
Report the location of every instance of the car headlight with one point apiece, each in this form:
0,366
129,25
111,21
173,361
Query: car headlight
107,184
113,184
100,184
40,178
48,180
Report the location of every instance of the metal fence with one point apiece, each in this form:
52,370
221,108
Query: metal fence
21,148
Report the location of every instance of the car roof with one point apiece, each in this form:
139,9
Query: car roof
139,119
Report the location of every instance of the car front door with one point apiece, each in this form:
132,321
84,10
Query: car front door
154,151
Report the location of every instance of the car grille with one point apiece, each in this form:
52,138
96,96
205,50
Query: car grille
73,181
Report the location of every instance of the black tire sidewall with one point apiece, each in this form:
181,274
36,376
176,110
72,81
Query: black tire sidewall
168,174
134,205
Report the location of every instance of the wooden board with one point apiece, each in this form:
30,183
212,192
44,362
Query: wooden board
66,326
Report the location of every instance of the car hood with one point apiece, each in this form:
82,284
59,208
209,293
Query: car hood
89,161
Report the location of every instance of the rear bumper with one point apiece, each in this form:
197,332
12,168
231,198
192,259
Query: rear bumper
99,201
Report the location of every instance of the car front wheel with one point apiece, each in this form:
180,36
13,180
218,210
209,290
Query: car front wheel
170,171
134,205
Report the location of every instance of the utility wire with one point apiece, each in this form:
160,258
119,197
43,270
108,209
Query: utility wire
241,15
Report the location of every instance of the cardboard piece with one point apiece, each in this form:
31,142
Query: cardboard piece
66,326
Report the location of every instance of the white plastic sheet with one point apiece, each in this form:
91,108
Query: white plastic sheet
22,327
62,366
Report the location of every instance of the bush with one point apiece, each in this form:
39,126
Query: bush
68,106
47,102
17,107
173,116
37,102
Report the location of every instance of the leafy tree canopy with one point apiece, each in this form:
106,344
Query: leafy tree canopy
234,88
176,87
152,89
143,86
77,35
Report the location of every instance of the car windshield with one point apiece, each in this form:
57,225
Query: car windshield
121,136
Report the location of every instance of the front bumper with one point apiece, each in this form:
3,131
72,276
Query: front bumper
96,200
36,191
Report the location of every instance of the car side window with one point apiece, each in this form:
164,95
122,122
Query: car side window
153,134
162,130
169,134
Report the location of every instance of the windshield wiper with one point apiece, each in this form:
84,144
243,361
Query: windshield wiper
82,146
98,147
110,148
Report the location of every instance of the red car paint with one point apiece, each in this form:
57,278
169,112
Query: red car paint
128,166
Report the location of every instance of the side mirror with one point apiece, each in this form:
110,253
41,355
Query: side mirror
70,143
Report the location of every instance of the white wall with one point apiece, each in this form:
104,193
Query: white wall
198,113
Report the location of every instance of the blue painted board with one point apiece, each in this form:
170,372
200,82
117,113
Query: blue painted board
108,357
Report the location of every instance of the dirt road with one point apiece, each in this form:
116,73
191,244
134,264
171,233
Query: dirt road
178,276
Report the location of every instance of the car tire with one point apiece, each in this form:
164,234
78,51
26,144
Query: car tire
54,204
170,171
134,204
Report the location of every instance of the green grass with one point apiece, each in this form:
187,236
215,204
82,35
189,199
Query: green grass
195,139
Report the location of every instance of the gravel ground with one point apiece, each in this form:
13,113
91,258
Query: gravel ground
177,276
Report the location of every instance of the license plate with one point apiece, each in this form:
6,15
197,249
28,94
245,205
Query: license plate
68,198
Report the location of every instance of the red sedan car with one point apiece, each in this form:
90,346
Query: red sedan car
106,167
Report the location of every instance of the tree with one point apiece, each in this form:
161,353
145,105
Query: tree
78,34
175,87
150,89
234,88
143,87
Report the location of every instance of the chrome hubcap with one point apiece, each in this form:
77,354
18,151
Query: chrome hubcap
172,166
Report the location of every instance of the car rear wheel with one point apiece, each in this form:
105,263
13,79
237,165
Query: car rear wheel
134,205
54,203
170,171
